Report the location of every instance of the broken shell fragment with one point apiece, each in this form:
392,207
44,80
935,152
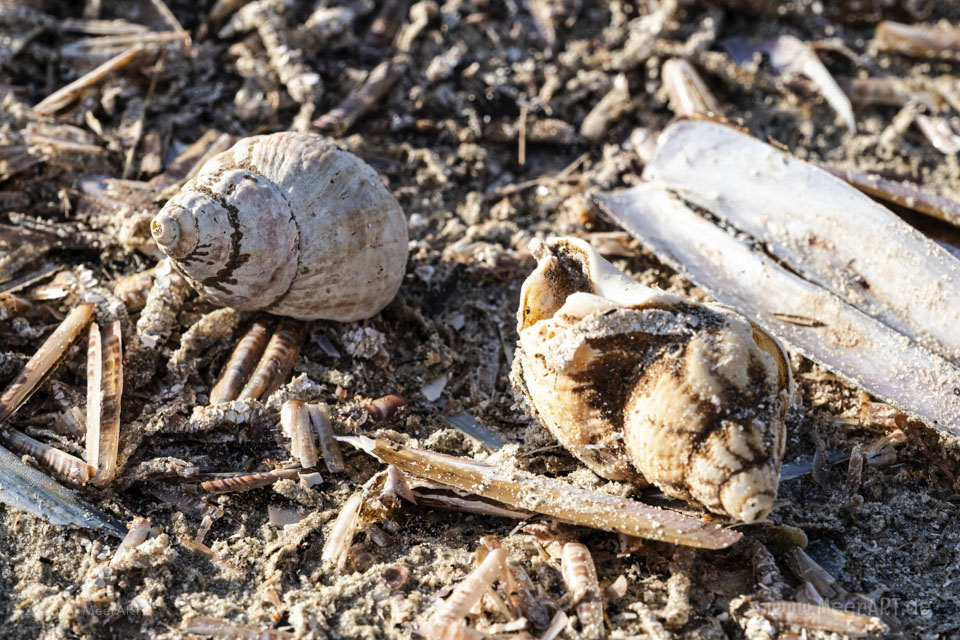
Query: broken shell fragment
295,421
241,363
104,388
638,382
275,363
332,456
43,362
548,496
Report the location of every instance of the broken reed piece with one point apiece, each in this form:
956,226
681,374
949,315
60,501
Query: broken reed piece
359,101
899,193
385,407
918,41
104,389
65,95
688,94
340,538
248,481
277,361
67,467
580,576
222,629
814,617
44,361
295,423
888,91
548,496
455,608
332,456
241,363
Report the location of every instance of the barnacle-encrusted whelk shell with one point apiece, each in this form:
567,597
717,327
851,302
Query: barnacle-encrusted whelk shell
290,224
639,382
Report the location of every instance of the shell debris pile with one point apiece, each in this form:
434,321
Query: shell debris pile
202,299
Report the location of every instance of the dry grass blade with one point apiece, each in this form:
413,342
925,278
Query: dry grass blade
455,608
826,230
242,361
64,465
64,96
43,362
814,617
104,389
550,497
846,341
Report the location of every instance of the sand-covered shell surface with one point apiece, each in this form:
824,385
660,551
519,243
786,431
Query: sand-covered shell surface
637,382
290,224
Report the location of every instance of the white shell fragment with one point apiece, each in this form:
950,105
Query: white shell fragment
638,382
549,496
827,232
104,389
825,229
290,224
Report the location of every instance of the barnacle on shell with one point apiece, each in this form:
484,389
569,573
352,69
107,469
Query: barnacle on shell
640,383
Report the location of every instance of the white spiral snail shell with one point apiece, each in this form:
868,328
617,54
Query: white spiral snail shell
638,382
290,224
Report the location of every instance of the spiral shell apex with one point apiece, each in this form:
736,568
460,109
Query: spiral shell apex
639,383
290,224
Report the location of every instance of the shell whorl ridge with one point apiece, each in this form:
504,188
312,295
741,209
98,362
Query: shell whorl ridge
290,224
638,382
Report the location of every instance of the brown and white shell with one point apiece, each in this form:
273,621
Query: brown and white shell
290,224
640,383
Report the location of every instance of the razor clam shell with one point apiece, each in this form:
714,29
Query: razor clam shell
104,388
549,496
858,348
278,358
35,492
826,230
241,363
44,361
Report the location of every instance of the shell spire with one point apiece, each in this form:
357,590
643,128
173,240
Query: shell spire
290,224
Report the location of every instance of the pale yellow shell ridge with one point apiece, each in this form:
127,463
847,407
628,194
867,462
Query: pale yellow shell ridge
290,224
635,381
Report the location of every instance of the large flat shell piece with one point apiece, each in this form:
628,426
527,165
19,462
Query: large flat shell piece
805,316
825,229
549,496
